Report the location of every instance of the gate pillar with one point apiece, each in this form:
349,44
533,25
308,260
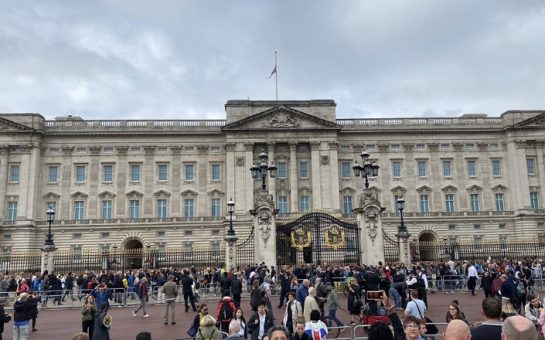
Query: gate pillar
48,258
264,221
369,217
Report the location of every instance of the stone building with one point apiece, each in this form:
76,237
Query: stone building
166,183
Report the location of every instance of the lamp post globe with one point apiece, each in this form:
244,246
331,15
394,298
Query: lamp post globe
260,169
366,169
231,209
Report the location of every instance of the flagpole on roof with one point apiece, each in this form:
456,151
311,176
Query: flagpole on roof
276,75
275,72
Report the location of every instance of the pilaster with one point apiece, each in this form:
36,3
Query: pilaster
334,178
315,175
293,178
3,179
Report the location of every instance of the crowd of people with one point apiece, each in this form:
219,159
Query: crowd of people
307,297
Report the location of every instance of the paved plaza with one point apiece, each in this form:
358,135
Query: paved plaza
62,322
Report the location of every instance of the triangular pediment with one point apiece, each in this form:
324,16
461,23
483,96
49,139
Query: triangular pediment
51,195
399,190
7,125
449,188
424,188
106,194
79,195
215,193
537,121
474,188
281,118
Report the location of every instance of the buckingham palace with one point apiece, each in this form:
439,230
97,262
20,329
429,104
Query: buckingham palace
162,184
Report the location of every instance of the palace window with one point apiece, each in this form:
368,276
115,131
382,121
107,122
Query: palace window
107,210
162,208
396,168
108,175
216,172
135,172
449,203
447,168
424,204
421,167
282,170
471,168
134,209
80,173
346,169
475,203
283,207
304,204
531,166
53,174
216,207
534,200
162,172
14,173
496,167
189,207
12,212
189,172
303,169
79,210
500,204
347,204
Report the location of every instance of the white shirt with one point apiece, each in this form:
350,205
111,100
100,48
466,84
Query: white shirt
471,271
261,326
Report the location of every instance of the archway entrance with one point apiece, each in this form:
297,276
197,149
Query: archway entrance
133,253
427,245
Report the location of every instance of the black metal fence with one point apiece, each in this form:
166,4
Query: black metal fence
67,261
391,249
470,250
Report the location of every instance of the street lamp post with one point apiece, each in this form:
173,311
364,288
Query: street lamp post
231,232
402,229
259,171
231,237
402,233
50,218
366,169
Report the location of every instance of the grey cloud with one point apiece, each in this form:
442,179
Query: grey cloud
184,59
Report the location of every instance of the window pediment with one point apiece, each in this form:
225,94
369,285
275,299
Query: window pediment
449,189
134,193
474,188
215,193
106,194
348,191
424,189
79,195
51,196
189,193
399,190
161,193
499,188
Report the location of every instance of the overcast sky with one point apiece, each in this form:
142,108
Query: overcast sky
185,59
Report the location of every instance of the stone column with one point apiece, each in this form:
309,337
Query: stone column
315,175
263,215
334,201
293,178
369,217
271,182
3,179
248,197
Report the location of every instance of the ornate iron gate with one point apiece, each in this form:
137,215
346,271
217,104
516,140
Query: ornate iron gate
317,238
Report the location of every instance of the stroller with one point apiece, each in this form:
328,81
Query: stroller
372,312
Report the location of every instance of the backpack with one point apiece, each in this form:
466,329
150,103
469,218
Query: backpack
520,289
226,312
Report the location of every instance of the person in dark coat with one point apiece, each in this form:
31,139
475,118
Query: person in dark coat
486,283
4,318
187,290
36,298
236,289
258,318
225,285
23,311
100,330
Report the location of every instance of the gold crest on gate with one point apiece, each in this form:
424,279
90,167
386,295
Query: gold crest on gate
334,237
300,238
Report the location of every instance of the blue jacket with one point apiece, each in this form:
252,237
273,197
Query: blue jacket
100,298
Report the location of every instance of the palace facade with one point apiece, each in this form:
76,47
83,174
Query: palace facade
166,183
